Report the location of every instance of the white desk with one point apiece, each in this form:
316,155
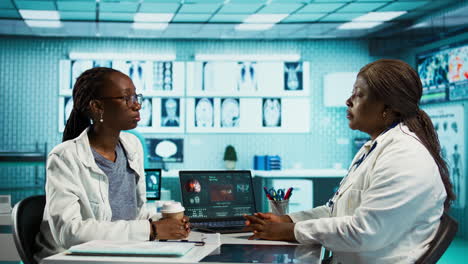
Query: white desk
7,245
312,253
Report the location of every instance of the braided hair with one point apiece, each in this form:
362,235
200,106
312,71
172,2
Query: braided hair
398,85
86,88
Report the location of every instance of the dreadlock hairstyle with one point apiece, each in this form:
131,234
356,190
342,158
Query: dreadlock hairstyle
398,85
87,88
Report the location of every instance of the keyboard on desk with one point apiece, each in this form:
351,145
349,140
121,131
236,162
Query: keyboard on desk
223,227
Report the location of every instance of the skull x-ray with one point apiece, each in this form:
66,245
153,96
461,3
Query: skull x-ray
204,112
170,112
293,76
146,113
271,112
230,112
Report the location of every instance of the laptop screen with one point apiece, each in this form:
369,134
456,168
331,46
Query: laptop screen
153,184
217,194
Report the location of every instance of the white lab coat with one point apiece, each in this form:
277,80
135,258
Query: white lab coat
386,210
77,198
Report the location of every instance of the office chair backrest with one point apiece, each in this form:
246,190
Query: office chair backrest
444,236
27,217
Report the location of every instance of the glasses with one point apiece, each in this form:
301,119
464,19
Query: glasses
130,99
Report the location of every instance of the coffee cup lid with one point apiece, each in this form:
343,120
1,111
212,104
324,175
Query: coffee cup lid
172,207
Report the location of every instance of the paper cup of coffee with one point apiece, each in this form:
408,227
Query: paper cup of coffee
172,210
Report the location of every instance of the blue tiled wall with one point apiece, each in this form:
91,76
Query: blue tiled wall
29,71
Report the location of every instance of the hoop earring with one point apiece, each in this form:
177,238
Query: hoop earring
101,120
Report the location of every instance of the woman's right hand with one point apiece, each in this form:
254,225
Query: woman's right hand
169,228
272,218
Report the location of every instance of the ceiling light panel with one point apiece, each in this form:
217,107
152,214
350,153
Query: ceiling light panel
359,25
153,17
265,18
228,18
39,14
35,5
379,16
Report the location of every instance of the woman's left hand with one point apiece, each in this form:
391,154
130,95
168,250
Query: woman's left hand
270,231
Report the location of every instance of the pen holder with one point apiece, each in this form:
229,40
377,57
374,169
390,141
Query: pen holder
279,207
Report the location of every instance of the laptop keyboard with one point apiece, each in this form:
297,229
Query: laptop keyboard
220,224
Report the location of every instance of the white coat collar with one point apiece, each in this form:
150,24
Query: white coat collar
83,148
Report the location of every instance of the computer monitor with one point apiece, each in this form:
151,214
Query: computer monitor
153,184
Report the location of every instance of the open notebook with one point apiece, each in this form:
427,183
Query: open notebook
131,248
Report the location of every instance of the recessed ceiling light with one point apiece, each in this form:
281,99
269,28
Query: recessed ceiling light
253,27
39,14
379,16
359,25
265,18
150,26
43,23
153,17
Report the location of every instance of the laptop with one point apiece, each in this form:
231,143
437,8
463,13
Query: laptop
153,184
215,201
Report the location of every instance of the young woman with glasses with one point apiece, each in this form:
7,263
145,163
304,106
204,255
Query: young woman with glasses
95,185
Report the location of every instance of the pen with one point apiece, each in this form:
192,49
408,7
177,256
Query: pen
197,243
288,193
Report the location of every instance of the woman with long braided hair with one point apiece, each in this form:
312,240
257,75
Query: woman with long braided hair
95,187
388,208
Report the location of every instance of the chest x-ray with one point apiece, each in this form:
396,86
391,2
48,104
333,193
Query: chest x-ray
271,112
230,112
170,112
247,79
293,76
204,112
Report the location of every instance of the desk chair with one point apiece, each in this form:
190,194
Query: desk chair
27,217
444,236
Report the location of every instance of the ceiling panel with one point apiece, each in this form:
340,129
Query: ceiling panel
361,7
114,16
229,18
191,18
9,13
76,6
338,17
6,4
71,15
403,6
306,18
35,5
80,29
127,7
249,1
162,1
109,29
199,8
279,8
158,8
239,8
320,8
14,27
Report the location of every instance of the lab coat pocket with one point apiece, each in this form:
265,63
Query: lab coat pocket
349,201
